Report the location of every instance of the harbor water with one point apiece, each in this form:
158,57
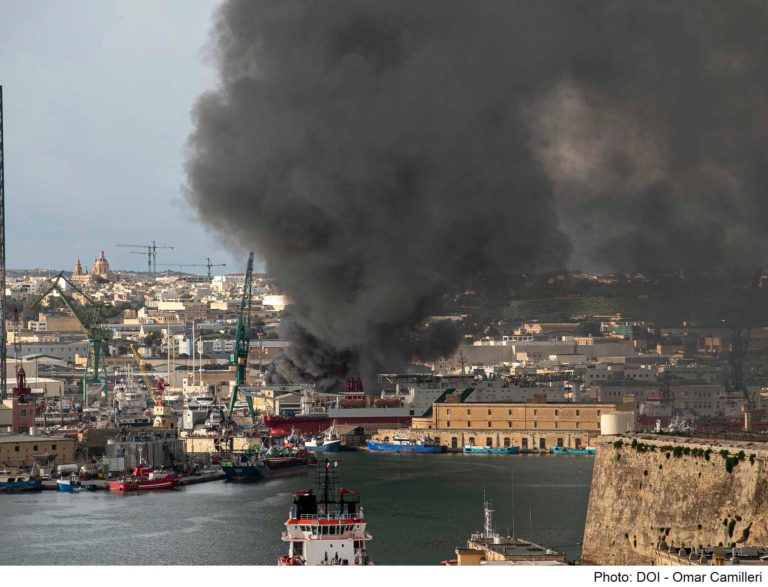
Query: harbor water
419,509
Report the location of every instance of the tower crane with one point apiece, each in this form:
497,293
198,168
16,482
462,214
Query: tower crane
243,338
89,317
151,253
207,264
741,332
163,416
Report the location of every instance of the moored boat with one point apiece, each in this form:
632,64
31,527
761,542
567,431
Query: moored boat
13,482
277,462
423,444
328,528
561,450
123,484
145,480
490,450
328,442
69,484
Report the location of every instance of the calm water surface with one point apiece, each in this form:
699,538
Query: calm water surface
418,507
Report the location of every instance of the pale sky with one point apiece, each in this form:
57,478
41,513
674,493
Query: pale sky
97,99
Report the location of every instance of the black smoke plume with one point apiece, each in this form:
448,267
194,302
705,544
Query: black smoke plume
376,153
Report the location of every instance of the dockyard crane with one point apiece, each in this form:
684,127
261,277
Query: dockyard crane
88,315
162,414
741,332
207,264
243,337
151,253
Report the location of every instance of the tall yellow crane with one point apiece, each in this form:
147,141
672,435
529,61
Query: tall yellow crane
163,415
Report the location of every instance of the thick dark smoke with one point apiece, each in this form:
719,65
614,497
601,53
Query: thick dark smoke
376,153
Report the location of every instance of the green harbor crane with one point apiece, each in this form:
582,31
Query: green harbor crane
89,316
243,338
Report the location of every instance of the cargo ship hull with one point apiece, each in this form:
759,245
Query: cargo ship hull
313,425
267,469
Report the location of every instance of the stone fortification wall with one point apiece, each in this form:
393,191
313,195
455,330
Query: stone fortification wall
682,491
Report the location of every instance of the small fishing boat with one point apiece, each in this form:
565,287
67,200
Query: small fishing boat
471,449
561,450
328,442
143,479
69,484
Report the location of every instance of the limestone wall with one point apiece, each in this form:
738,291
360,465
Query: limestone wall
677,490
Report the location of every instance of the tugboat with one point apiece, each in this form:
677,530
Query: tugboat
12,482
326,529
405,444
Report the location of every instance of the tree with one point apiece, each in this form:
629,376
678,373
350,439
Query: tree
153,339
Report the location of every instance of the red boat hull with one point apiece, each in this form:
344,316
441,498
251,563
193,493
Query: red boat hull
168,482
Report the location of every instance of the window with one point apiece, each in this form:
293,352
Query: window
557,412
524,444
510,412
598,412
535,412
509,424
23,412
34,447
448,412
16,448
542,443
469,412
489,411
535,424
488,441
53,447
557,424
577,412
489,424
577,424
437,440
506,443
559,442
448,423
469,424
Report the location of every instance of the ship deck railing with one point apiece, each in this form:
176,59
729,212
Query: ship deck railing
331,516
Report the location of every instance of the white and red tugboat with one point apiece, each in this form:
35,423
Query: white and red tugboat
326,529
